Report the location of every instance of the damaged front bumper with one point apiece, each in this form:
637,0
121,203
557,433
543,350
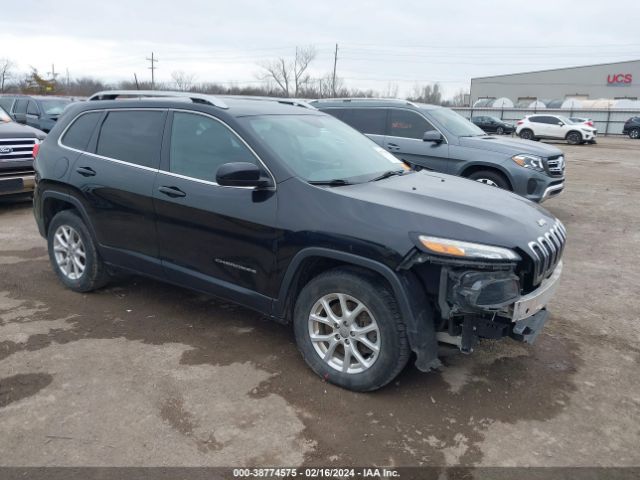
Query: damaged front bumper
487,304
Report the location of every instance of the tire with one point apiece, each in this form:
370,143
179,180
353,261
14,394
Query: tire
574,138
526,134
76,273
491,178
500,131
634,133
380,315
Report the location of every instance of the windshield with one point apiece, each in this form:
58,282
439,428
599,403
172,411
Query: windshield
4,116
54,107
322,148
455,123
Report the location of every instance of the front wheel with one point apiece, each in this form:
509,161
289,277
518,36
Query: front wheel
500,131
574,138
73,254
350,331
493,179
634,133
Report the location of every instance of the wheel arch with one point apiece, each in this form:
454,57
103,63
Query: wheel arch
477,167
416,311
54,201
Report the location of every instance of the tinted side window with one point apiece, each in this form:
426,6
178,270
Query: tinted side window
404,123
368,120
132,136
32,108
80,131
200,145
6,102
20,106
339,113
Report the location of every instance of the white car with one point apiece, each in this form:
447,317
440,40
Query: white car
555,127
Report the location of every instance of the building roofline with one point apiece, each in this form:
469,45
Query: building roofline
555,69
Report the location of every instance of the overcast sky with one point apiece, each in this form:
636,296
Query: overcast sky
381,43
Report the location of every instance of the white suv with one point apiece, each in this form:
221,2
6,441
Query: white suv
534,127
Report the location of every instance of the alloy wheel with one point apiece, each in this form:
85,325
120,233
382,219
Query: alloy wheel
69,252
344,333
487,181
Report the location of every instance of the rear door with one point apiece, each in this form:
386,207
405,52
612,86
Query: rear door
213,238
404,139
114,178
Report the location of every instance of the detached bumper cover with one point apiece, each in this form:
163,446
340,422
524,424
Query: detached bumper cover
535,301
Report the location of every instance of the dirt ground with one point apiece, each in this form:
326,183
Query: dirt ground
143,374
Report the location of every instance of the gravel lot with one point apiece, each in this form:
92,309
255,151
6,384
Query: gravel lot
143,374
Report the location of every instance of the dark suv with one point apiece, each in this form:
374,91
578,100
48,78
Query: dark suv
491,124
37,112
294,214
439,139
632,127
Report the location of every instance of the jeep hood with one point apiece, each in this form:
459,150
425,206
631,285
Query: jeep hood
446,206
510,146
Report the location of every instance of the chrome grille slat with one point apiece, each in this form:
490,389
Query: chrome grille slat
555,165
18,149
546,251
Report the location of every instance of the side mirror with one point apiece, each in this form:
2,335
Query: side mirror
433,136
240,174
561,124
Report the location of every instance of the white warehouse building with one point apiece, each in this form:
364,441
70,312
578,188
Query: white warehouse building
618,81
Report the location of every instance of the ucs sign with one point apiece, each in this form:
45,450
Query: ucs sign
619,78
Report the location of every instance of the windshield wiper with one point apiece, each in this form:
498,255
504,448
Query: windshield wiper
387,174
336,182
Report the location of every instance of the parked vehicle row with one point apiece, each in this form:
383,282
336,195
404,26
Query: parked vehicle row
40,112
16,155
290,212
439,139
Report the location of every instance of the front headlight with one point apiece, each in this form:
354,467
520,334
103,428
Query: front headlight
456,248
525,160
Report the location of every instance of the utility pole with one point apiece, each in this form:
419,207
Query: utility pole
335,62
152,68
135,77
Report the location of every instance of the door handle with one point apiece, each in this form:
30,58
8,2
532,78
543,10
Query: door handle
172,192
393,146
86,171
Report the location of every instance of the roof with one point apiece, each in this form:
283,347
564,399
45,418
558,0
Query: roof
556,69
368,102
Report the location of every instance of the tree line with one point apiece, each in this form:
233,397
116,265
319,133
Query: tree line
279,77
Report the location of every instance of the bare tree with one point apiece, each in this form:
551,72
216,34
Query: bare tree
290,75
427,94
391,90
460,99
6,72
184,81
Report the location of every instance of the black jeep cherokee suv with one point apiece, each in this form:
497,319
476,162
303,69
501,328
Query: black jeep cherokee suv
296,215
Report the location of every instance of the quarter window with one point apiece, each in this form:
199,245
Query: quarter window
200,145
407,124
132,136
80,131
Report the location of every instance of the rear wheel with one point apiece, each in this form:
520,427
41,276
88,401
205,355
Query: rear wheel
73,254
493,179
634,133
526,134
350,331
574,138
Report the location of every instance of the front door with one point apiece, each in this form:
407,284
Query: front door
213,238
404,139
